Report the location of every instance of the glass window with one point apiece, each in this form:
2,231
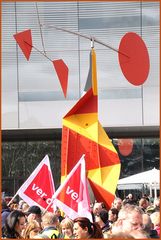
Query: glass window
19,159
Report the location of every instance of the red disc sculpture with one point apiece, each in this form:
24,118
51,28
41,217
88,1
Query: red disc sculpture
134,58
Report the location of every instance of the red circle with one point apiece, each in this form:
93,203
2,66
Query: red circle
125,146
134,58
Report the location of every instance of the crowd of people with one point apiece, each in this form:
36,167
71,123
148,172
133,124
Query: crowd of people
125,219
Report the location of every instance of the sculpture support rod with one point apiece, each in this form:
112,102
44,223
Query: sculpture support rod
84,36
39,51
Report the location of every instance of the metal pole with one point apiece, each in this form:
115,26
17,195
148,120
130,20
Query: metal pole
151,191
155,190
39,51
91,38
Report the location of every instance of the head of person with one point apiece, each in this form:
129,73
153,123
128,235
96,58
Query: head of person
58,212
83,228
25,207
4,205
97,207
49,219
32,229
34,213
155,218
102,218
157,202
117,203
147,223
133,234
67,227
146,196
143,203
15,223
113,214
130,196
129,218
21,202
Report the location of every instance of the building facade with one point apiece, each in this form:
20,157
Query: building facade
33,103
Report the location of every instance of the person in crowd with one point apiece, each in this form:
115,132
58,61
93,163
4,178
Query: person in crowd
58,213
129,218
150,209
143,204
34,213
146,196
91,211
129,199
155,218
33,228
21,202
66,226
121,235
112,215
148,226
117,203
14,225
12,206
25,207
157,204
50,223
97,207
139,234
5,212
83,228
102,220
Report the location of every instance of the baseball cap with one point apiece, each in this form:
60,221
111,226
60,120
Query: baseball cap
34,209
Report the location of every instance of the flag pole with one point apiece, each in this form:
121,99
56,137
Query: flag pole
12,199
52,200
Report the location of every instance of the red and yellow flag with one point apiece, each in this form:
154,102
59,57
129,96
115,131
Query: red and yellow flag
83,134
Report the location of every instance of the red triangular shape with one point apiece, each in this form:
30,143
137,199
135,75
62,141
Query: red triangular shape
101,194
74,182
24,40
44,187
62,73
87,104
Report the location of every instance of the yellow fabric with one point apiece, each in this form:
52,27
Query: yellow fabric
89,127
94,73
108,175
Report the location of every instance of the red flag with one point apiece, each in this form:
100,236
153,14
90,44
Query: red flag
72,196
39,187
62,73
24,40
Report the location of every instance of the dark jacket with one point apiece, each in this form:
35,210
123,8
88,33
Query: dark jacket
4,214
153,234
